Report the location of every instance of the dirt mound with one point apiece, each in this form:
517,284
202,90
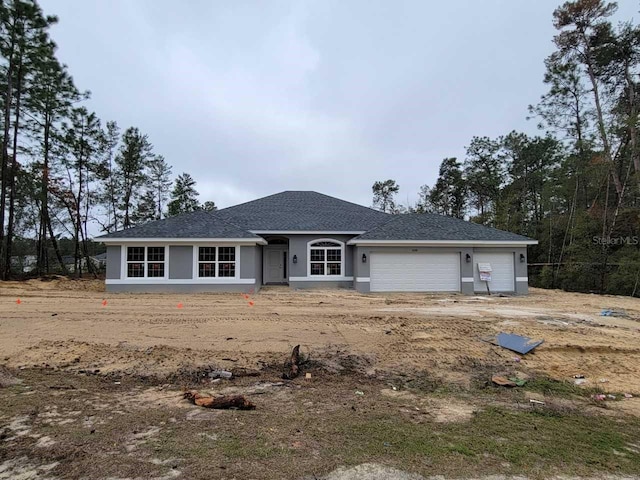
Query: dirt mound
155,364
56,282
148,334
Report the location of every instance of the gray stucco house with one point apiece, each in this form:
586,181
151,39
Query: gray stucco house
307,239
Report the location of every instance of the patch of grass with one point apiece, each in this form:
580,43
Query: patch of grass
313,427
235,447
566,389
550,386
460,449
531,442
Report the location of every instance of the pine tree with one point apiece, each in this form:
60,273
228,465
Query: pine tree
109,193
146,209
384,195
132,164
209,206
49,101
159,177
184,197
82,164
23,39
448,196
483,170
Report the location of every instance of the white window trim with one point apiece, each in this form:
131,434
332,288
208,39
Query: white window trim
124,263
181,241
342,254
184,281
222,280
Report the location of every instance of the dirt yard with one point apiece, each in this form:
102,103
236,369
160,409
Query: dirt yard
79,361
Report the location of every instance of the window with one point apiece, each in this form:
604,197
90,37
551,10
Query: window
216,262
326,258
145,262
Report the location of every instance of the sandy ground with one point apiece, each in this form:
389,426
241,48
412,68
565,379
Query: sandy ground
75,324
105,397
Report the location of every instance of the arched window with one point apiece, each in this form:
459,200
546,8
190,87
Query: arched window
326,258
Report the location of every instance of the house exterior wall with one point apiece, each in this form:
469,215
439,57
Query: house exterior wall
248,262
113,261
298,272
356,274
180,262
181,271
257,266
522,278
361,270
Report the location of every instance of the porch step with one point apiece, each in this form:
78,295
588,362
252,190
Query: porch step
275,288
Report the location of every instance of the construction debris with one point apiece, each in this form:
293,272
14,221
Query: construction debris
515,343
612,312
220,374
502,381
238,402
292,365
520,382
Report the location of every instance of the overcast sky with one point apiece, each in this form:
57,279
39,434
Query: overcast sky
253,98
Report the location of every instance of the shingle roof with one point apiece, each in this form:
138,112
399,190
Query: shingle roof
198,224
311,211
302,211
429,226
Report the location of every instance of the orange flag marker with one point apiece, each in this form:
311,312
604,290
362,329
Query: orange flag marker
180,305
18,301
104,303
251,303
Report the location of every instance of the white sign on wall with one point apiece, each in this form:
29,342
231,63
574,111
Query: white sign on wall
485,271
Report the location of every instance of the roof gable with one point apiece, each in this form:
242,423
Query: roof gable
302,211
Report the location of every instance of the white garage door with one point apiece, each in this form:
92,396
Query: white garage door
415,272
502,272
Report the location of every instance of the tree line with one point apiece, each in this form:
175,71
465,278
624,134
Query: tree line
575,187
61,167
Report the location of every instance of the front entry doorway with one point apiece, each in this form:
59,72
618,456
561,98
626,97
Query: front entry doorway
275,262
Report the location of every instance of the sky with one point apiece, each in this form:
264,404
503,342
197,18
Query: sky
256,97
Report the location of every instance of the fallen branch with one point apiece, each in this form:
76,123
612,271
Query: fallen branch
233,401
